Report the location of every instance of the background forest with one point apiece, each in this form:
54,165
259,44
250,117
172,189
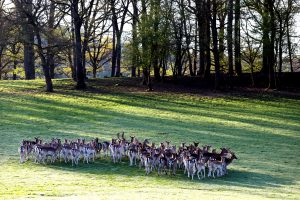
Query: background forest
222,43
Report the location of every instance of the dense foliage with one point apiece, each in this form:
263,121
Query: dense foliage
79,39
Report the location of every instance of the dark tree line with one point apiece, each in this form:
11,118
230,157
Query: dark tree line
149,38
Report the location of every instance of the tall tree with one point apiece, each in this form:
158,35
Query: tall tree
207,39
290,11
34,19
51,27
222,13
251,50
237,38
178,29
195,48
145,55
202,12
230,40
119,15
78,21
155,12
188,36
215,44
28,40
114,52
135,43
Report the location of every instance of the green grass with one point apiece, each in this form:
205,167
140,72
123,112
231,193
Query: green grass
263,130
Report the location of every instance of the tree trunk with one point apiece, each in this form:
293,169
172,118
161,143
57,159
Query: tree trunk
1,50
178,58
190,63
29,53
134,38
28,46
14,72
280,47
155,61
215,44
84,49
50,53
45,65
289,48
88,23
118,32
237,38
201,32
272,80
114,52
252,77
79,70
155,58
145,49
187,38
163,66
14,51
70,62
94,71
196,50
207,41
221,38
147,78
49,85
74,67
229,41
269,28
156,70
118,56
52,67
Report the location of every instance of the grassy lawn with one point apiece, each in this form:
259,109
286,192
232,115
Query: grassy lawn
263,130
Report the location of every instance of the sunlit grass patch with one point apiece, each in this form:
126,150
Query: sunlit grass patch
262,130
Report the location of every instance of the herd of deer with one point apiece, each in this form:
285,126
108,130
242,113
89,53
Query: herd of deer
164,158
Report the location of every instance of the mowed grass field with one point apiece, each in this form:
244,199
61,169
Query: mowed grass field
263,130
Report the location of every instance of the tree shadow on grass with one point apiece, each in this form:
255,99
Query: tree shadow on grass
215,110
130,121
105,168
39,108
254,179
52,111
